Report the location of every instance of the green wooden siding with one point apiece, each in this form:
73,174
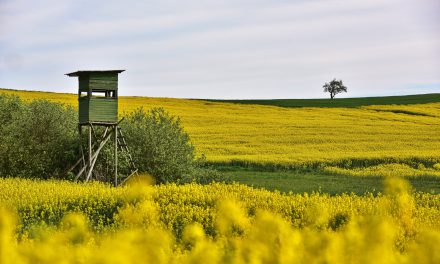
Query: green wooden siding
98,110
103,81
101,103
83,104
83,83
98,81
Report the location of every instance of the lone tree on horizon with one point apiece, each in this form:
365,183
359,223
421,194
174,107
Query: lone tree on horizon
334,87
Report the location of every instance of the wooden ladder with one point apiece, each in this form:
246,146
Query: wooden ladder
122,145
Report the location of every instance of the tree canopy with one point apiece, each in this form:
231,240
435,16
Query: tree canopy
334,87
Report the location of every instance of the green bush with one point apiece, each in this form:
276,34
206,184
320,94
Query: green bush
10,109
159,144
38,139
162,148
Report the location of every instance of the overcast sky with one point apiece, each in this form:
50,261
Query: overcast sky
224,49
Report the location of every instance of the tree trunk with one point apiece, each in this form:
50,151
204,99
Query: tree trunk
331,96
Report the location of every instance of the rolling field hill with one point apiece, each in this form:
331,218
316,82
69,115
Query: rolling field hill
344,102
374,140
340,152
227,132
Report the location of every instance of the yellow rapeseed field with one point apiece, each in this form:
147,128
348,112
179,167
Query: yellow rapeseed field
227,132
62,222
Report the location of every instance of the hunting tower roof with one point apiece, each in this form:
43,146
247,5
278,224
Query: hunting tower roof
82,73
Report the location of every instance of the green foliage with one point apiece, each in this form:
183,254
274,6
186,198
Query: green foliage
334,87
162,148
10,109
159,144
203,175
38,139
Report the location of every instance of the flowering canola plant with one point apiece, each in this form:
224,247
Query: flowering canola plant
297,137
63,222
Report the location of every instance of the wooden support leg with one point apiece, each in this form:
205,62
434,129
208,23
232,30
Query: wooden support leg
89,158
89,165
116,155
95,156
82,158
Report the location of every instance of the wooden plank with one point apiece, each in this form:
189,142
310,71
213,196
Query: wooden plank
90,167
95,156
103,81
103,110
83,83
98,110
83,114
116,155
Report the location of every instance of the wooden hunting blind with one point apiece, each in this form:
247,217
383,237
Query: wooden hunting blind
98,106
97,96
